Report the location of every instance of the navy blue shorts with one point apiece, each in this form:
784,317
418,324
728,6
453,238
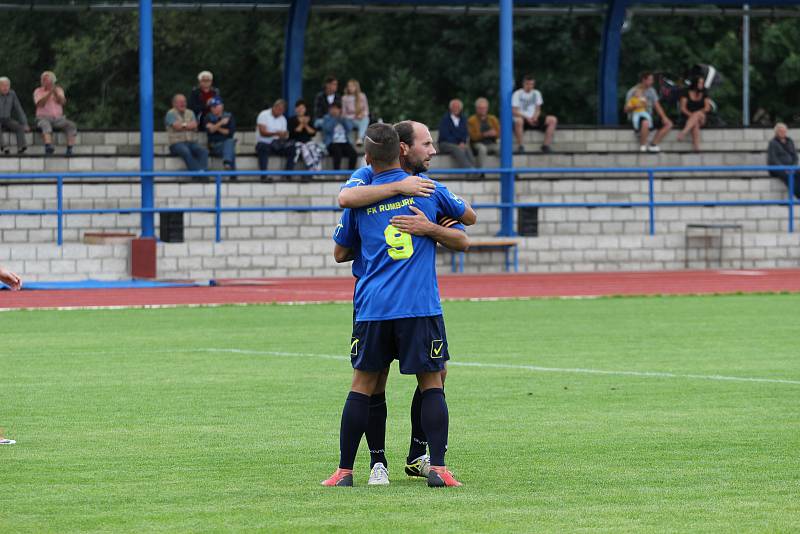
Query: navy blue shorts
418,343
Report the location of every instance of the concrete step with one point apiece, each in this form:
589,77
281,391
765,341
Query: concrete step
94,163
90,163
567,140
612,160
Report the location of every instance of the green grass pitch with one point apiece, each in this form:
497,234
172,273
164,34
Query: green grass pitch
226,419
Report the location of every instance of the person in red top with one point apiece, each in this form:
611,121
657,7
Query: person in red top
201,95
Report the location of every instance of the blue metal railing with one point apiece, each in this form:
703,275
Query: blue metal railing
218,209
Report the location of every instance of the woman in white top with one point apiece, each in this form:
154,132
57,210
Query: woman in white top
356,108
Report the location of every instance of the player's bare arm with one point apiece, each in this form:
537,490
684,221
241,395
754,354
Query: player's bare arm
418,224
10,279
365,195
342,254
470,217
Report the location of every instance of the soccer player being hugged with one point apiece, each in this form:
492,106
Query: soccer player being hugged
14,283
398,313
416,150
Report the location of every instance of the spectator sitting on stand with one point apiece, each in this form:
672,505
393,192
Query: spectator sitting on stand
695,107
453,136
272,137
335,129
181,125
484,132
781,151
356,108
50,99
526,106
9,106
201,95
324,99
220,128
640,102
302,133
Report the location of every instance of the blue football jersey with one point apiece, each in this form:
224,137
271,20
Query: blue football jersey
362,176
399,269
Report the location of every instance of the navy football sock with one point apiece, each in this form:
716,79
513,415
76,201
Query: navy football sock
376,429
435,421
419,442
355,416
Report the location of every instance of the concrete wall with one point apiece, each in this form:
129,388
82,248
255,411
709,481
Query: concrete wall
296,225
313,257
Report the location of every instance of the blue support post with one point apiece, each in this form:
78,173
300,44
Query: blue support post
146,113
293,49
217,209
60,203
792,178
651,201
609,62
506,121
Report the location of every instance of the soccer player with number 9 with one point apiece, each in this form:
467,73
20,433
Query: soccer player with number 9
398,313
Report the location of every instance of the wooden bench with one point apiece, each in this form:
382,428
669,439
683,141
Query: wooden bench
508,246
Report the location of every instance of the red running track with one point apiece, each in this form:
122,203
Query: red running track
452,287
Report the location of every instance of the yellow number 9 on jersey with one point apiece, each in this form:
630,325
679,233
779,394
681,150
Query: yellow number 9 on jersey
400,245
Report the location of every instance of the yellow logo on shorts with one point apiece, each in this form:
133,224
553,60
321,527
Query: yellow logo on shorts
436,348
354,346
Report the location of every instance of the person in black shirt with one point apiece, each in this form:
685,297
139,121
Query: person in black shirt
302,133
325,98
695,106
201,95
781,151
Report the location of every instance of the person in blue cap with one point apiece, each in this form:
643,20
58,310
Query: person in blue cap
220,128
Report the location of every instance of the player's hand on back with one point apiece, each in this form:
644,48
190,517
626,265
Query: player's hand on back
417,224
414,186
10,279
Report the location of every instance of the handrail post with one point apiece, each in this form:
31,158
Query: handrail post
217,209
60,209
651,201
146,115
506,135
791,202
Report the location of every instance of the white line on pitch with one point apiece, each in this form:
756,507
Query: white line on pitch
578,370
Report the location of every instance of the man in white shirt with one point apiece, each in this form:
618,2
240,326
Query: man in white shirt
526,107
272,137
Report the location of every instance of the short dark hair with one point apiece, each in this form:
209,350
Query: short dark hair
528,77
300,102
382,144
405,131
330,78
645,74
335,104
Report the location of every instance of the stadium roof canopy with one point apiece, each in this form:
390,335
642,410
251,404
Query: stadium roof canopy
298,11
